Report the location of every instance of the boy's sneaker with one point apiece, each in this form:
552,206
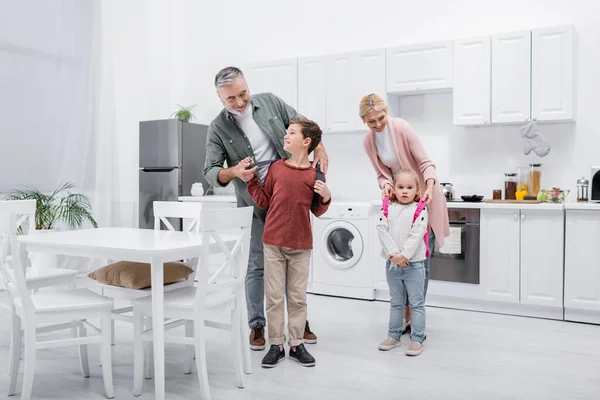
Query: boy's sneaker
273,357
389,344
405,326
309,337
414,349
257,338
302,356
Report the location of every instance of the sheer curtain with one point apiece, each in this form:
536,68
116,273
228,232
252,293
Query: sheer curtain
57,102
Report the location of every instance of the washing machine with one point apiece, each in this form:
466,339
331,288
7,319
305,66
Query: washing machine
341,252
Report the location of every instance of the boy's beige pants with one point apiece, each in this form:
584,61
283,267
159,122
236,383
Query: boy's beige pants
284,265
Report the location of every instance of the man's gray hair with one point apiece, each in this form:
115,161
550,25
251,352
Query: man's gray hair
227,75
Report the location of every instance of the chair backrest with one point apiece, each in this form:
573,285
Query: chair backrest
176,209
25,211
231,275
14,277
25,222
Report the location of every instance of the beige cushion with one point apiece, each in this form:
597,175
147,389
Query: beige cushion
136,275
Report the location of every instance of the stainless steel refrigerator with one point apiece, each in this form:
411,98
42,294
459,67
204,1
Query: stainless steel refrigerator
172,155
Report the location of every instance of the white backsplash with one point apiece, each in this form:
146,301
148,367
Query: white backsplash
473,159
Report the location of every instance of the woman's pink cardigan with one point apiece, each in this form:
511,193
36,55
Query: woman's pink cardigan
411,154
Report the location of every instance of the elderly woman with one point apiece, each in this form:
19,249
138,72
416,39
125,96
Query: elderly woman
391,145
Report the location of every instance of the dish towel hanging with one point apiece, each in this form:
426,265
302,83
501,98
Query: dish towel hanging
534,140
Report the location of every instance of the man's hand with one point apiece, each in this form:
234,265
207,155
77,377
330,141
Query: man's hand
398,259
322,190
321,157
242,172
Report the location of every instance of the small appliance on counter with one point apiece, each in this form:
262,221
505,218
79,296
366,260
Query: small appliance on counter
447,190
595,189
583,186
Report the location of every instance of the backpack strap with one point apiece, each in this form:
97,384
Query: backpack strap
420,207
260,163
386,206
316,196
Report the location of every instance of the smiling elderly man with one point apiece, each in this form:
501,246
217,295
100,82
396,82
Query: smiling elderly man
250,126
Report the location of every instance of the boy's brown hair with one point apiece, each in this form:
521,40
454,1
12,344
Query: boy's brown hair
310,129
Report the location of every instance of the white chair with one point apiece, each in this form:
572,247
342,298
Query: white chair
71,307
221,293
35,278
162,211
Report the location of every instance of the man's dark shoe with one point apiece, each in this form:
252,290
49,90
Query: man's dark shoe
257,338
302,356
274,355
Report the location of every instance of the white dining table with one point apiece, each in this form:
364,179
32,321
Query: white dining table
130,244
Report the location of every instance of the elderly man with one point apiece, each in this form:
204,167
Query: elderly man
250,126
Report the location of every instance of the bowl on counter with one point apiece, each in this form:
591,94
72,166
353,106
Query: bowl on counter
472,199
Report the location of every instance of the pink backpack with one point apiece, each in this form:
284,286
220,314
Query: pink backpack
420,207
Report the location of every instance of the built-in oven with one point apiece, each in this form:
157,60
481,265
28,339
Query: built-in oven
458,260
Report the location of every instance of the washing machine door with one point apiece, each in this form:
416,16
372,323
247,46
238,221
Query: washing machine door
341,245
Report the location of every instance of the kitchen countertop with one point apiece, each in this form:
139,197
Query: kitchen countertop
583,206
209,199
516,206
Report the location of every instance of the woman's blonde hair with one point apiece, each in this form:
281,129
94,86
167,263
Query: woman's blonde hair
371,102
414,175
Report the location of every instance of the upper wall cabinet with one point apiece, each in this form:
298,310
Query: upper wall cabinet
350,76
472,81
312,89
278,77
553,74
418,68
511,77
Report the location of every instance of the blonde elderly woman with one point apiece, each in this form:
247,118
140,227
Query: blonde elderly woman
392,145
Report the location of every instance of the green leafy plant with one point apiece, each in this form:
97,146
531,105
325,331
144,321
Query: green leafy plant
184,114
72,208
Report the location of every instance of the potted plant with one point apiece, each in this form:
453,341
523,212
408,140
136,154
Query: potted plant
72,209
184,114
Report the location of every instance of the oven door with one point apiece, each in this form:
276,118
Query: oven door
459,260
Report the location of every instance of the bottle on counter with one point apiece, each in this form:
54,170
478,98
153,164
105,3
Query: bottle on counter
535,178
523,179
510,186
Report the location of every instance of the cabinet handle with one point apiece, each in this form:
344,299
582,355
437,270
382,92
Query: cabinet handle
522,217
515,217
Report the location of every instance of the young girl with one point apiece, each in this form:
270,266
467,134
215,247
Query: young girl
402,230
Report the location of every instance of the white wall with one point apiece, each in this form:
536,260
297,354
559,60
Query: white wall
206,37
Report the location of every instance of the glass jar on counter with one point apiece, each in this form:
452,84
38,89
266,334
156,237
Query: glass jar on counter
535,178
523,174
510,186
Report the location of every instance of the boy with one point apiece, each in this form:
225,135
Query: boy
287,193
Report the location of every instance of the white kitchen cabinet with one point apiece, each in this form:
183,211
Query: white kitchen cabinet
522,255
421,67
278,77
472,81
553,74
511,77
351,76
582,261
542,255
312,89
499,254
